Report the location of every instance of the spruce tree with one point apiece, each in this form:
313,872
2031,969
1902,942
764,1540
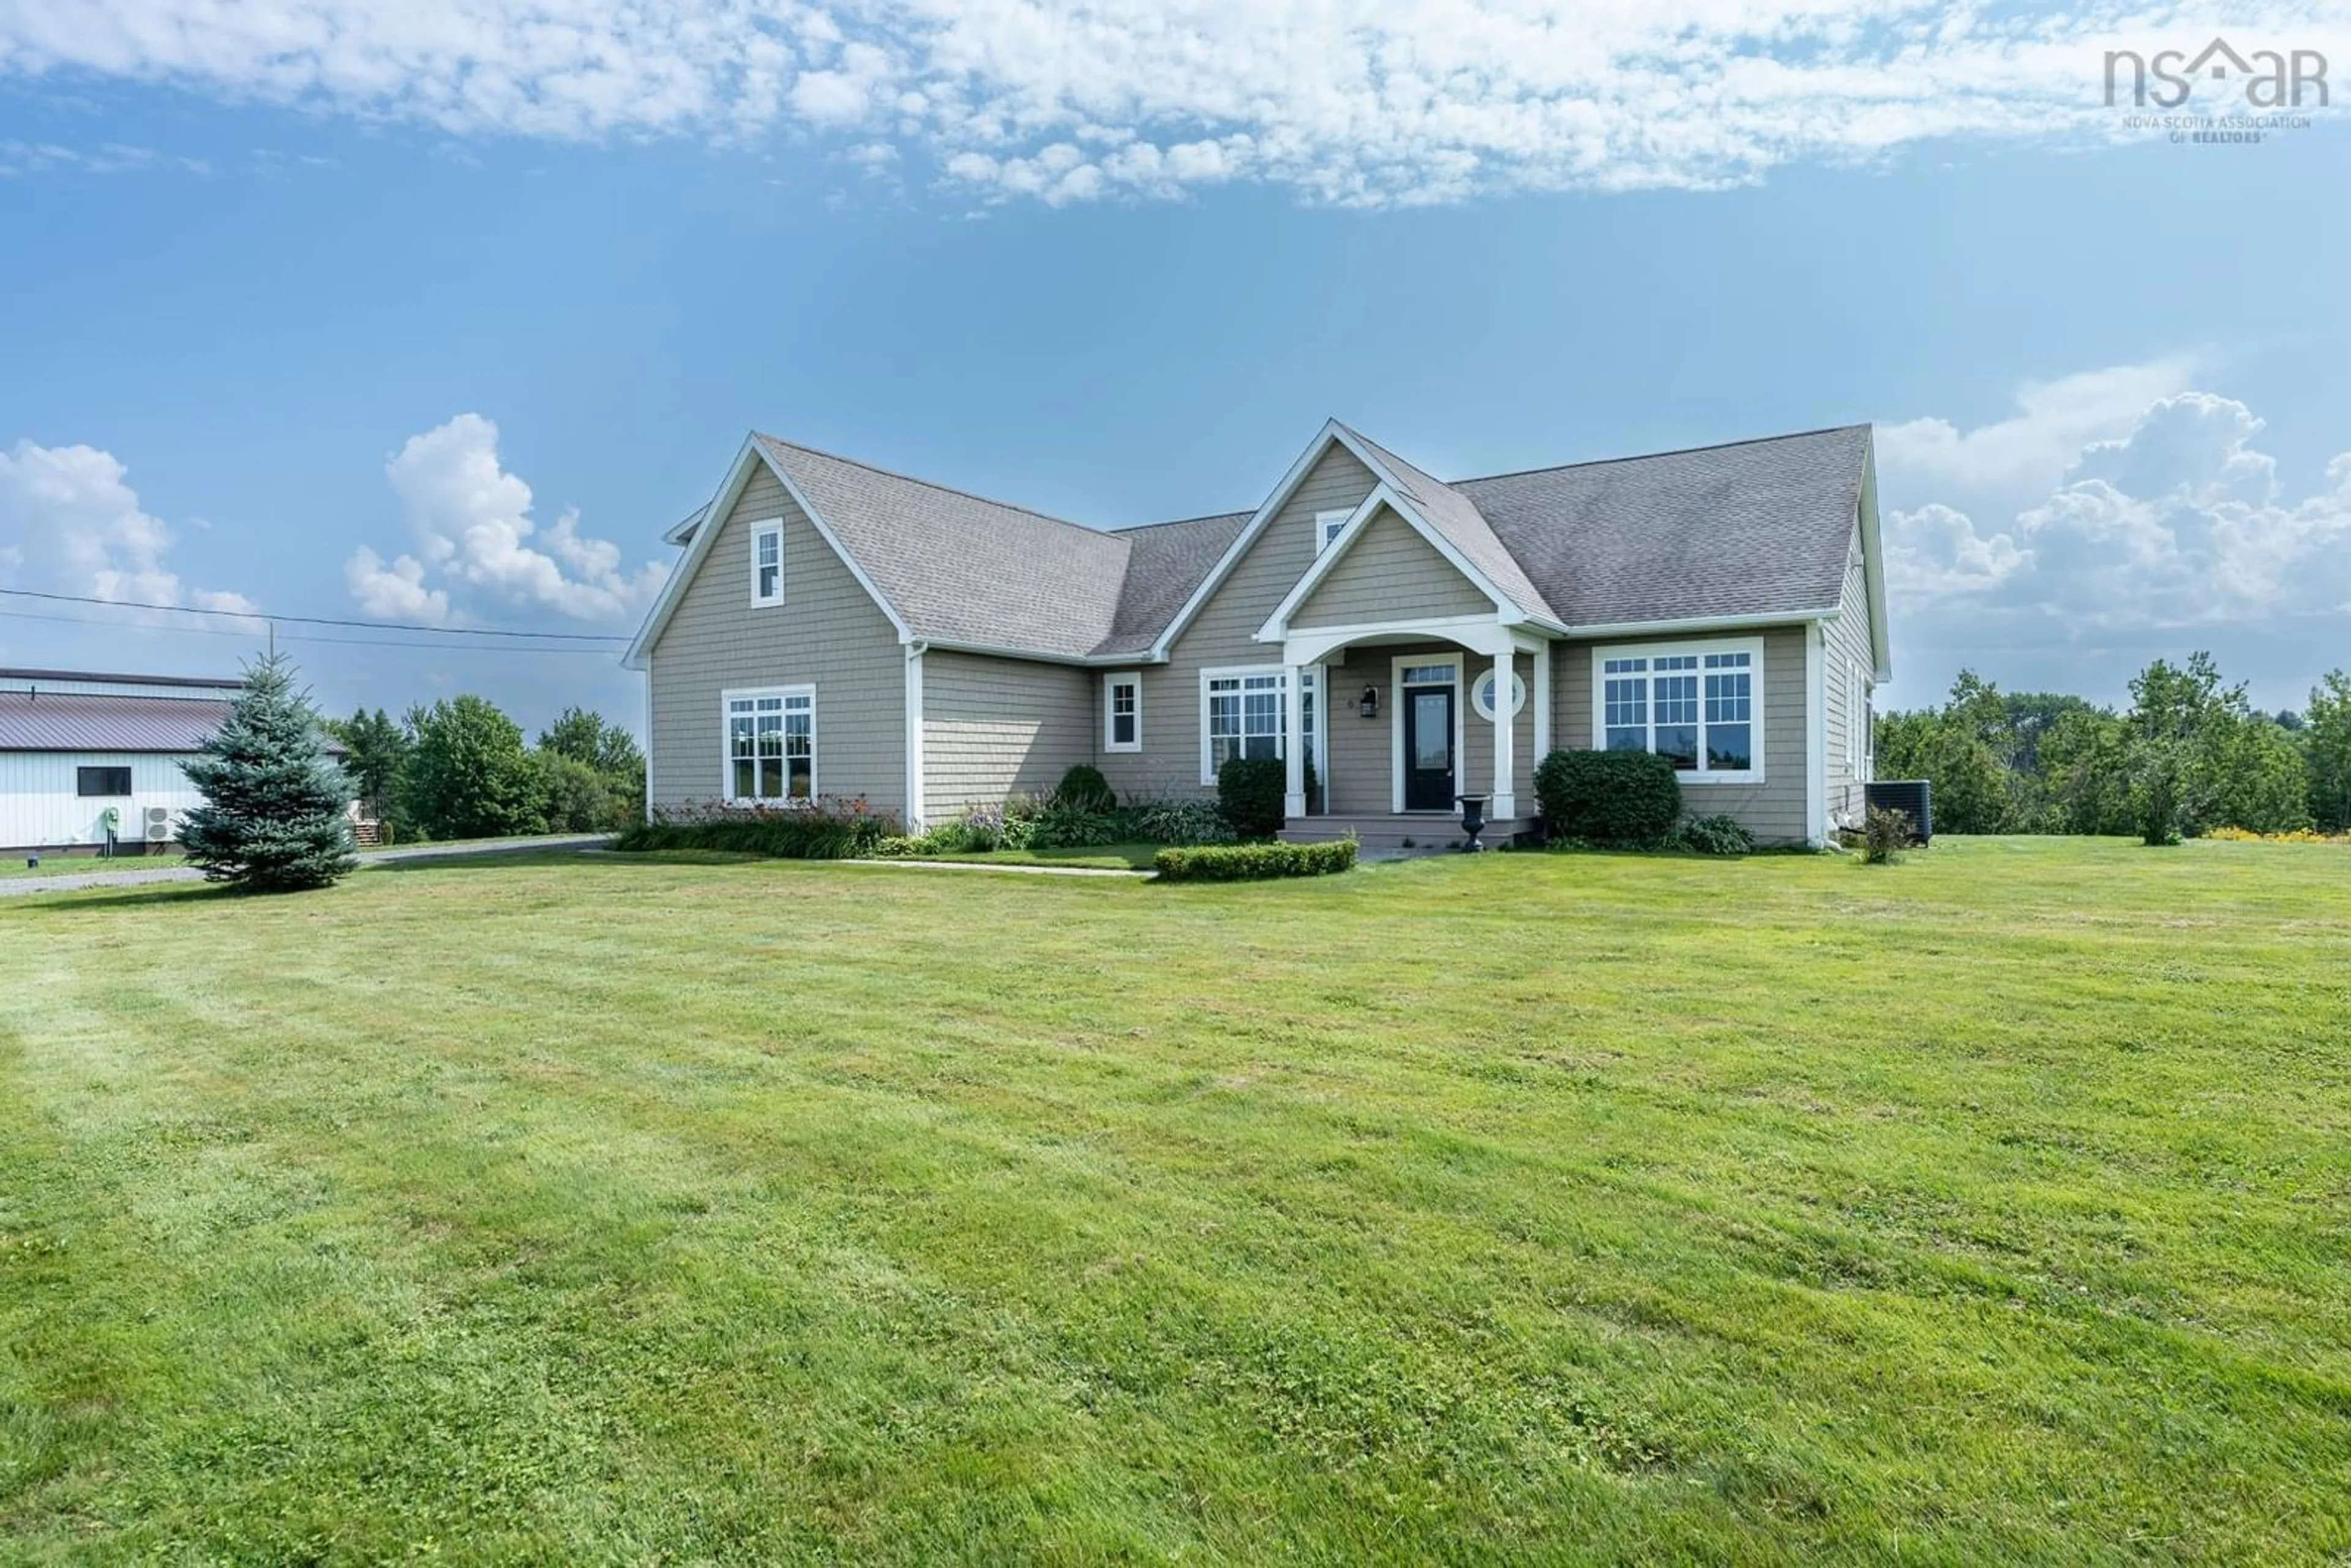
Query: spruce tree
272,817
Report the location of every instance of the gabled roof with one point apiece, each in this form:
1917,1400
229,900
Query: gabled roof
1455,516
1751,528
1167,561
1748,531
961,568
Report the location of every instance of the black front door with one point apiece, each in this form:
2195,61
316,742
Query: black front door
1428,748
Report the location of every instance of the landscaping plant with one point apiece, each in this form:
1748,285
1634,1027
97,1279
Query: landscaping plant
1613,800
1885,834
1084,788
1251,862
273,818
1250,792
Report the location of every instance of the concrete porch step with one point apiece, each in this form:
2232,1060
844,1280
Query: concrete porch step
1387,833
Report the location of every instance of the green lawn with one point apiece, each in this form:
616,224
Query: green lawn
77,865
1988,1208
1136,856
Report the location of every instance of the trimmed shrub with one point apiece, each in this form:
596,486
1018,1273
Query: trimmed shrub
828,829
1716,834
1181,822
1249,792
1616,800
1083,789
1251,862
1885,834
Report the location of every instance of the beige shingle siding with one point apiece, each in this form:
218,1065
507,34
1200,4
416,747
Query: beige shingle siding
827,633
1849,661
1225,631
997,728
1772,810
1388,574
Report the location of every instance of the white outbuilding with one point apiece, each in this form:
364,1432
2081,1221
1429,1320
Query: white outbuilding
87,759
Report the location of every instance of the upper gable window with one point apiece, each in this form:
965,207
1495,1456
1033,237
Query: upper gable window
1328,526
767,563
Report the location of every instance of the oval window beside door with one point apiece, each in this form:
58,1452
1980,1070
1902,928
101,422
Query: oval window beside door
1481,695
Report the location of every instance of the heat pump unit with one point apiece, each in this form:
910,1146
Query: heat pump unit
158,823
1914,798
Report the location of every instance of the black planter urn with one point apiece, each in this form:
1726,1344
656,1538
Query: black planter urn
1473,821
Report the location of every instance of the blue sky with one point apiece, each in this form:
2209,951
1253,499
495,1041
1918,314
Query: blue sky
282,313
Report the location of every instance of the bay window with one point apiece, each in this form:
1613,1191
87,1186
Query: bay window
1696,705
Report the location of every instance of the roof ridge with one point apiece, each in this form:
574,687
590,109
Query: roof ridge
934,484
1172,522
1668,451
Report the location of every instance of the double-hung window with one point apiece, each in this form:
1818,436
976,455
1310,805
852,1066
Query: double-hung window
1123,712
1696,705
1243,713
771,745
767,563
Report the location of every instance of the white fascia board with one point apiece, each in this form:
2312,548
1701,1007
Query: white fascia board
1259,521
1873,568
1277,625
1702,623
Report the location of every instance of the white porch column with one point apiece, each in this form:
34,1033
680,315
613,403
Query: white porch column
1294,740
1505,803
1539,693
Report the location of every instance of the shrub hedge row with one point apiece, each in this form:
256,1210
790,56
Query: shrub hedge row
828,830
1249,863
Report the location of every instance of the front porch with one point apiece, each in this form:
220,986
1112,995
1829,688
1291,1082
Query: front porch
1413,714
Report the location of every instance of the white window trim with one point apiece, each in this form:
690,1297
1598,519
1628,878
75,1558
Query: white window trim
1518,690
1329,525
764,528
1397,667
727,701
1752,647
1281,732
1111,683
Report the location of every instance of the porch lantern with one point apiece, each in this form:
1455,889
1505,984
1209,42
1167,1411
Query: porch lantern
1370,706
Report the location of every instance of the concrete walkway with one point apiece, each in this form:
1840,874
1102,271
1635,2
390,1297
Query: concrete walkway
73,881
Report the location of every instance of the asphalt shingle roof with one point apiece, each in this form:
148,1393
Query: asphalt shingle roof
1756,527
1753,527
49,722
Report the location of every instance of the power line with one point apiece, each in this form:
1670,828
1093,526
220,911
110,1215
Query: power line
315,619
299,637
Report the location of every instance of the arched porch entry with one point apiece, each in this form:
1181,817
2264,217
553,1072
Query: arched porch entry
1442,722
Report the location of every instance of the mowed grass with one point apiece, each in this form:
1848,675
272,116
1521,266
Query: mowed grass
1988,1208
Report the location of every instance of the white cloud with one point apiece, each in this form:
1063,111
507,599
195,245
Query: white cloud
1372,101
2178,522
2015,458
71,523
477,541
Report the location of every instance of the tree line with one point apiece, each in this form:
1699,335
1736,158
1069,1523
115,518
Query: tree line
2190,755
461,769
